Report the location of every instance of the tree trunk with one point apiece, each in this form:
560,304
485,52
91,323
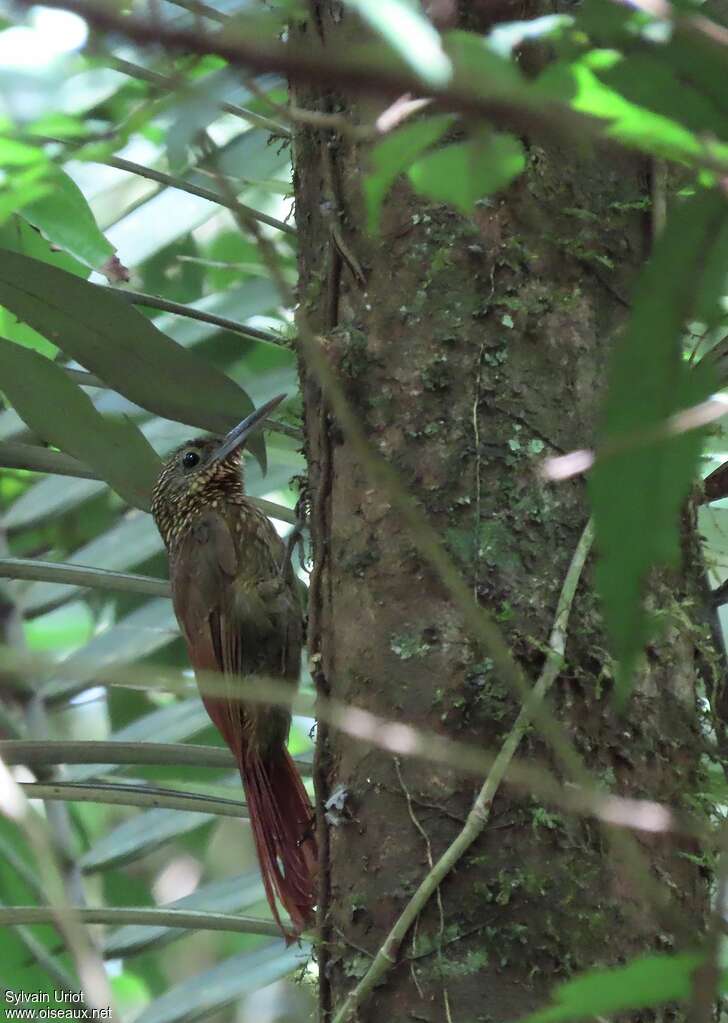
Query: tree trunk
477,346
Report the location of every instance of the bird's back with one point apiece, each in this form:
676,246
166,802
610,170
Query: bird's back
237,603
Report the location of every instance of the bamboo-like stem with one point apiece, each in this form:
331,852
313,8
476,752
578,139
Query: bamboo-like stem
116,917
394,736
88,751
478,817
135,795
80,575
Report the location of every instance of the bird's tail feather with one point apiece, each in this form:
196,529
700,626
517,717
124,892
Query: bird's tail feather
280,816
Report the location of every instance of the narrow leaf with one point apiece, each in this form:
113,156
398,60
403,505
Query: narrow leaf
203,994
138,836
139,634
56,409
637,490
109,337
66,220
641,984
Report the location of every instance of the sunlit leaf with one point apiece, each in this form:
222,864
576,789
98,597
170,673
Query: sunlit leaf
17,154
578,85
66,220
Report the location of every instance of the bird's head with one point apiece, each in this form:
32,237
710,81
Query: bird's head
201,471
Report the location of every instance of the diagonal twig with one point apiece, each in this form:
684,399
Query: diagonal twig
478,817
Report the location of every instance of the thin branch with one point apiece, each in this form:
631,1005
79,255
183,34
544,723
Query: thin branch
478,817
582,459
170,181
135,795
200,9
79,575
169,84
117,917
189,312
87,751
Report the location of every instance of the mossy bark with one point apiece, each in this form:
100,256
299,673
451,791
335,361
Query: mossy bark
478,345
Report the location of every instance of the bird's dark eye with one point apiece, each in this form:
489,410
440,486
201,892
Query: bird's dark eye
190,459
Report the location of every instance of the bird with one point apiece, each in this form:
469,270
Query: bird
237,602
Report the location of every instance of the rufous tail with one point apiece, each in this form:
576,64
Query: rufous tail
281,818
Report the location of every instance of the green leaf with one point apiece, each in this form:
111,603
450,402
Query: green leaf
578,85
17,234
17,154
649,81
464,172
204,993
648,981
393,155
22,188
56,409
637,491
111,338
66,220
410,34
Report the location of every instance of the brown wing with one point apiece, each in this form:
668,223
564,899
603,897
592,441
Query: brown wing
236,622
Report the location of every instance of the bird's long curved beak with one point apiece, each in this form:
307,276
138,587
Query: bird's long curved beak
240,433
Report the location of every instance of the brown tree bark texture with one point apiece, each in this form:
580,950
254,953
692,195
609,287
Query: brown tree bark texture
478,345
